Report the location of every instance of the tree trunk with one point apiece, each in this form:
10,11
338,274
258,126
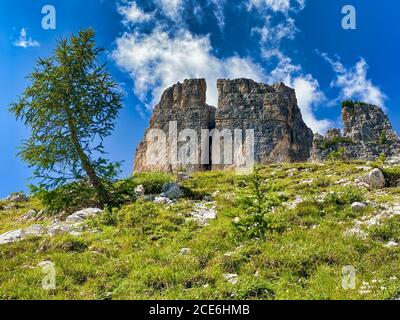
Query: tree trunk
103,194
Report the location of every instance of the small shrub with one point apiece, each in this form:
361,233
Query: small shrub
334,142
348,103
73,245
110,217
233,262
138,214
322,182
152,181
309,208
352,104
256,288
392,175
255,221
387,231
383,138
382,158
337,155
344,197
3,204
69,198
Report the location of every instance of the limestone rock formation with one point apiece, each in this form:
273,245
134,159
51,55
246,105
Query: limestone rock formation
270,110
367,134
184,104
280,135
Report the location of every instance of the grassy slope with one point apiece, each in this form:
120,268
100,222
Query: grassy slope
139,256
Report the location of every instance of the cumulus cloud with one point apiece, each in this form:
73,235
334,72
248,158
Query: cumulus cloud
158,60
308,92
353,82
309,95
24,41
131,13
164,56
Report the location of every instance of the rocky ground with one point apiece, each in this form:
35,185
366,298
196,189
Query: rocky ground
174,246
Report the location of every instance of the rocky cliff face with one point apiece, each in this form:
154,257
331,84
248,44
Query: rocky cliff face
367,134
183,105
271,111
280,135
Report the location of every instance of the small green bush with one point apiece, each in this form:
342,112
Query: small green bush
348,103
68,198
352,104
151,181
3,204
322,182
80,195
257,204
337,155
383,138
345,197
334,142
254,288
392,175
387,231
73,245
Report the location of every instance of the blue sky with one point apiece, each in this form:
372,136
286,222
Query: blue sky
152,44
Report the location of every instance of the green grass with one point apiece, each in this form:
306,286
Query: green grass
135,251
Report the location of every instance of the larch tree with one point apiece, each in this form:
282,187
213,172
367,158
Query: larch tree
71,105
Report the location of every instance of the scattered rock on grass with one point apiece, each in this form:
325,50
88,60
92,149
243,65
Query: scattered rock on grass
73,225
391,244
203,213
17,197
35,230
140,191
11,236
292,172
232,278
373,180
358,206
162,200
172,191
185,251
83,215
182,176
294,203
393,161
30,215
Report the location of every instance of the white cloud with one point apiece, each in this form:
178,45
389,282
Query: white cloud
271,36
158,60
308,92
133,14
282,6
308,96
171,8
25,42
219,12
354,83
